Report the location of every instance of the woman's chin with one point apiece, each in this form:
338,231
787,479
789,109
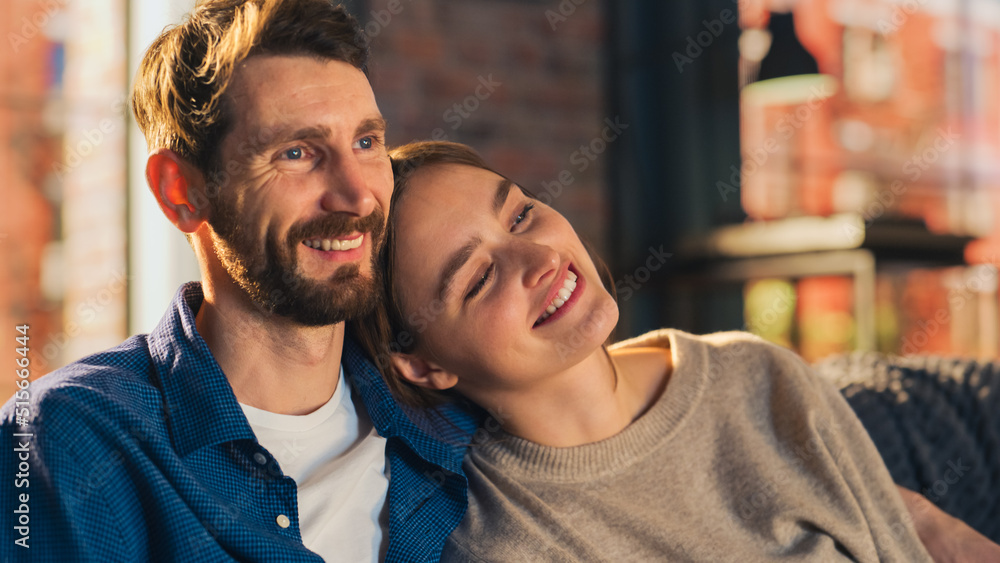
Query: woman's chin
604,315
589,333
610,313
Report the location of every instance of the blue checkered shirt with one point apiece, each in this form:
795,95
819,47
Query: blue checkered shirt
142,453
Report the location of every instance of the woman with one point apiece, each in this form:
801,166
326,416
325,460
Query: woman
666,447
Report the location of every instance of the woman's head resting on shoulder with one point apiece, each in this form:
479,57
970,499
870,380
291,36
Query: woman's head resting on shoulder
490,292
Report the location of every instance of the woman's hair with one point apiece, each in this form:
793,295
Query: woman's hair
385,331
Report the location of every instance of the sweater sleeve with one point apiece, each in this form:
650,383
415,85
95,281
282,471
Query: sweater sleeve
836,428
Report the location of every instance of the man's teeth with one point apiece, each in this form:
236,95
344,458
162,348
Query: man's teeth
334,244
562,296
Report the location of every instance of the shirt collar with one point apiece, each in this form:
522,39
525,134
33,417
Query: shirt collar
201,408
442,444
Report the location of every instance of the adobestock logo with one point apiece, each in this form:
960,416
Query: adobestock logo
582,158
754,159
32,26
566,8
697,43
626,286
900,14
460,111
382,18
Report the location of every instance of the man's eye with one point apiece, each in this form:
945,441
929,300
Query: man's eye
294,153
367,143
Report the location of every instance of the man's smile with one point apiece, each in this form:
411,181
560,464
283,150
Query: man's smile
328,244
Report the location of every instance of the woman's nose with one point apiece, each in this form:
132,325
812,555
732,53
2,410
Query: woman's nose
539,262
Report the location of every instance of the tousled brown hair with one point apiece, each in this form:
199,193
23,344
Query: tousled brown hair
386,331
179,94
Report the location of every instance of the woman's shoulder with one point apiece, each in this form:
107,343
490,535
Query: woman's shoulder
722,356
734,342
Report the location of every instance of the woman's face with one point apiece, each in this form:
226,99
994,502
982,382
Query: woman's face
485,276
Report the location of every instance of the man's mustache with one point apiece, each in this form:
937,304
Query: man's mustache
338,225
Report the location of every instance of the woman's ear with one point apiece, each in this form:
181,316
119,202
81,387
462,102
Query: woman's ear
422,373
177,186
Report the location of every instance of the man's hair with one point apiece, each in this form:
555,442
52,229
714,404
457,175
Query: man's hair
179,94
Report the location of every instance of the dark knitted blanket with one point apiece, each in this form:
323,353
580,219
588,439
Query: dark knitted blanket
936,422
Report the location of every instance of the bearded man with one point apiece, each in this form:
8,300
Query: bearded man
247,425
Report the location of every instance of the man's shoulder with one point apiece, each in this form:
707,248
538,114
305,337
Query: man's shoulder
119,379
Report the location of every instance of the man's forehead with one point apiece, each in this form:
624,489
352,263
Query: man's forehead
281,93
283,81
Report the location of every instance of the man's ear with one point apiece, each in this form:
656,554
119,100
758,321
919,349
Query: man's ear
422,373
178,187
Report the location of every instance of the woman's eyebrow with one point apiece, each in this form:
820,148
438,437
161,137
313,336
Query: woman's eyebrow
462,255
455,263
503,188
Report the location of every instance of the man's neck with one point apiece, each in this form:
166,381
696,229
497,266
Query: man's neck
272,363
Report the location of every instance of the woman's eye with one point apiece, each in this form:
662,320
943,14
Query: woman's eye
524,214
480,284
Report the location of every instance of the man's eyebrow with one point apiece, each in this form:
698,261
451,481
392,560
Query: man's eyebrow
372,124
312,132
455,263
462,255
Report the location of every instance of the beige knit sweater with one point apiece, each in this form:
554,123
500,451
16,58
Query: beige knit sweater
747,456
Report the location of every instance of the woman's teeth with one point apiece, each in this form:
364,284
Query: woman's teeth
334,244
562,296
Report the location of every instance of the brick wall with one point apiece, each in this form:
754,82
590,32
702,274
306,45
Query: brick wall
521,81
93,173
62,168
29,146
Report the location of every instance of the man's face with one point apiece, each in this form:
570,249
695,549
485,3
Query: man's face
303,188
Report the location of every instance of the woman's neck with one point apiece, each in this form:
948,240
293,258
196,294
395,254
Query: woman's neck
590,401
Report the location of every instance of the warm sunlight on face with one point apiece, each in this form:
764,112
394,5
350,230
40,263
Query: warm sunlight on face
309,181
495,285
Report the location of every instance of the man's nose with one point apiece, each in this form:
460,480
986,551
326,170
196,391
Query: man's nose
349,188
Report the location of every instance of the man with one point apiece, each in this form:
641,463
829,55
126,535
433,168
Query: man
245,426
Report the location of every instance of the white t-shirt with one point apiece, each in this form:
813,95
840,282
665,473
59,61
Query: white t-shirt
337,460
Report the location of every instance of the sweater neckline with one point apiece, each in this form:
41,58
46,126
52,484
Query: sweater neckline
523,459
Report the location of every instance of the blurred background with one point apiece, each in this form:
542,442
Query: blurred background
823,172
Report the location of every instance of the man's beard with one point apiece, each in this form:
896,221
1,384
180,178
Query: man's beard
273,280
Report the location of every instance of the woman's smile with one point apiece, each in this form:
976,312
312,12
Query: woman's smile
562,297
517,268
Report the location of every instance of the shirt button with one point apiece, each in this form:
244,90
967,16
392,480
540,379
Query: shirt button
283,521
260,458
